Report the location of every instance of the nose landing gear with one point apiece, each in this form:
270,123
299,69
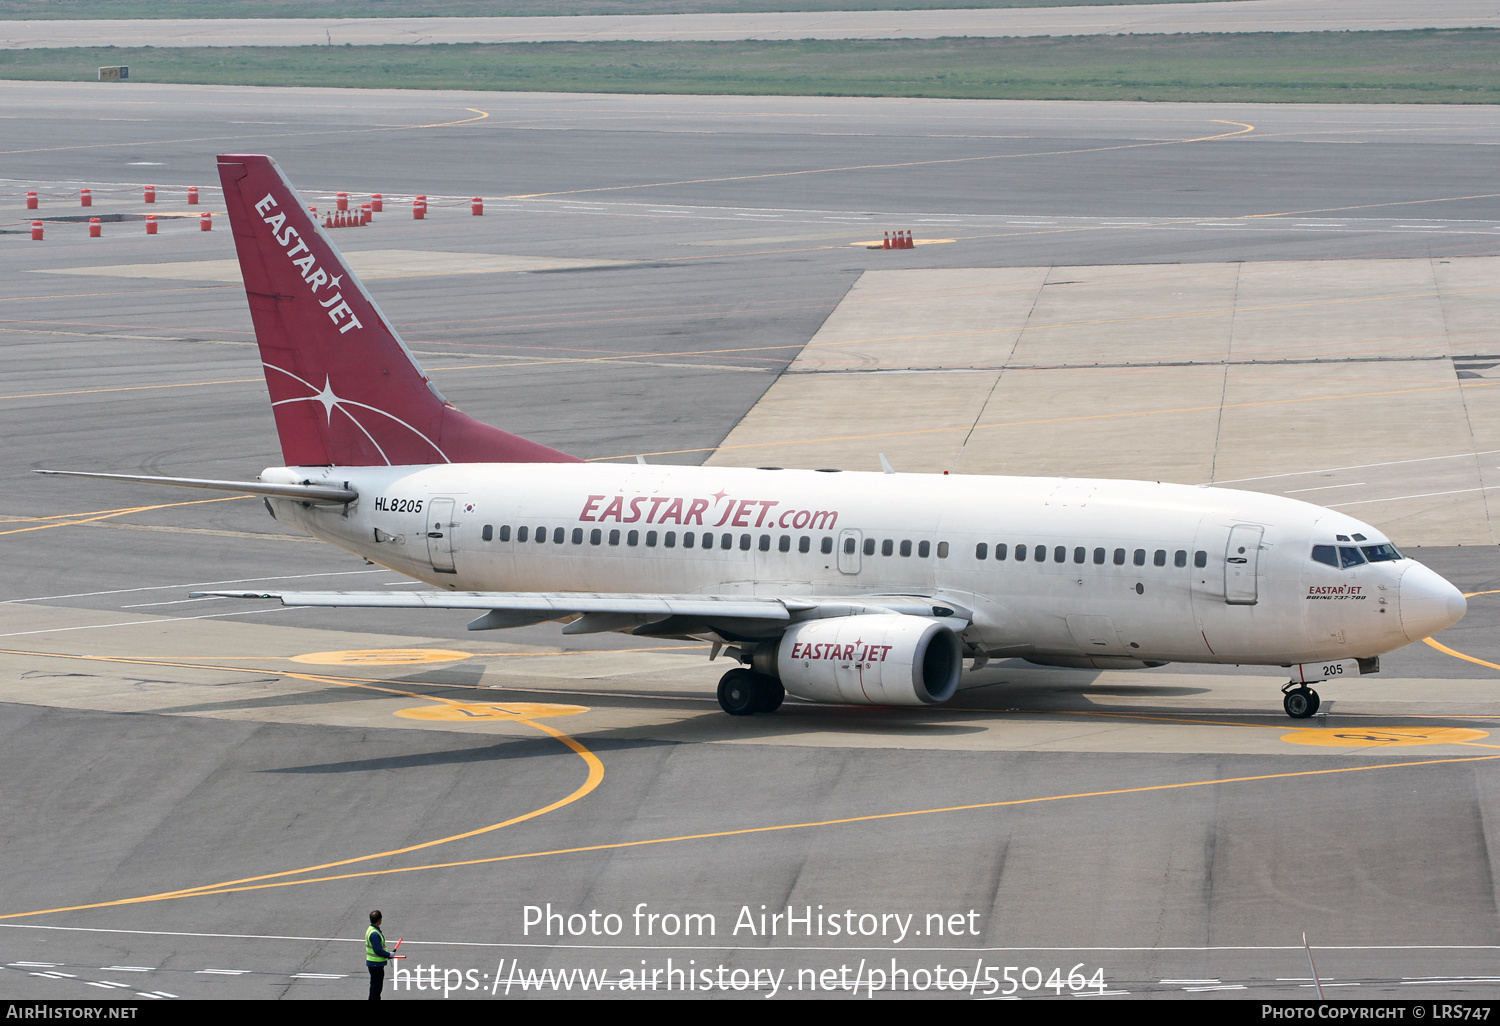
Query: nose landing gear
1299,700
743,692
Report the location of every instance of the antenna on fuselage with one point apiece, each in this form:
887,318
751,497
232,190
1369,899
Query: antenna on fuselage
885,464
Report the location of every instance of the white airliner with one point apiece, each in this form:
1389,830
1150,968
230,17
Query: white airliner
863,588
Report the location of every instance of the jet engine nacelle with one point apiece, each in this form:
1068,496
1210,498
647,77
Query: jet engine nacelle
874,659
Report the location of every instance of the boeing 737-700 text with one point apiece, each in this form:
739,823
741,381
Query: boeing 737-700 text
863,588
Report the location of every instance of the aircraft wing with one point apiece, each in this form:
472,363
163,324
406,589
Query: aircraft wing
739,616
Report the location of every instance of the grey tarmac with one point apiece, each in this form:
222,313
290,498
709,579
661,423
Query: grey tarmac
205,798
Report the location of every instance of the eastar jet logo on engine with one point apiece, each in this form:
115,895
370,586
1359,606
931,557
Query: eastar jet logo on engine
315,276
858,652
664,509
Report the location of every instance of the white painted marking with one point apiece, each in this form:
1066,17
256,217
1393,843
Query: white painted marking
183,602
228,972
162,993
1218,224
1100,993
1358,466
1294,491
129,968
142,993
137,623
1325,983
1189,983
1420,495
1319,225
1222,986
36,965
318,976
198,584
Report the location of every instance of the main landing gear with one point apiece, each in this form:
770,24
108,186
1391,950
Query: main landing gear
744,692
1299,701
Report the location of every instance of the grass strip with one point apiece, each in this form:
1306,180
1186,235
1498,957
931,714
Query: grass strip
1428,66
54,10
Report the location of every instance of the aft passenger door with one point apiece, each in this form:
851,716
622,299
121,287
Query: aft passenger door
1241,564
440,535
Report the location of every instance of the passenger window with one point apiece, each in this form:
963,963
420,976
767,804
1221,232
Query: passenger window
826,546
765,542
1179,558
905,548
1080,554
745,542
614,537
488,533
577,536
1000,551
687,539
804,544
1098,557
521,534
869,546
505,532
1140,557
1060,554
633,538
650,539
1325,554
942,550
1380,553
1119,557
1200,559
541,534
558,534
1160,558
981,551
596,536
1020,553
669,540
726,541
1039,553
708,540
1350,556
887,547
924,549
784,543
849,546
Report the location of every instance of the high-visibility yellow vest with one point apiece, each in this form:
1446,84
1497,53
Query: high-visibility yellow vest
370,955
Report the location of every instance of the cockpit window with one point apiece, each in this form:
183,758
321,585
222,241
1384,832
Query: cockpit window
1350,556
1380,553
1326,554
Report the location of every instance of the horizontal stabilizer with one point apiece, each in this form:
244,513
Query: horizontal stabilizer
318,494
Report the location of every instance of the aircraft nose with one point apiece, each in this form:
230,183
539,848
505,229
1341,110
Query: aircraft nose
1428,603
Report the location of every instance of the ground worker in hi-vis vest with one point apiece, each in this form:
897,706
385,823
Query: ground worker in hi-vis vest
376,955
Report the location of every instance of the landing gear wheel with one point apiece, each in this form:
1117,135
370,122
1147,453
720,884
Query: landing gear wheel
771,693
739,693
1300,703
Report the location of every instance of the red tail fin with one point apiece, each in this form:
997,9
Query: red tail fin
345,389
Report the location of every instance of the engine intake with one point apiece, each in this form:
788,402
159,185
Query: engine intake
872,659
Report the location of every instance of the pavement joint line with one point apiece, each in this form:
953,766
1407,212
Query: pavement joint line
621,845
